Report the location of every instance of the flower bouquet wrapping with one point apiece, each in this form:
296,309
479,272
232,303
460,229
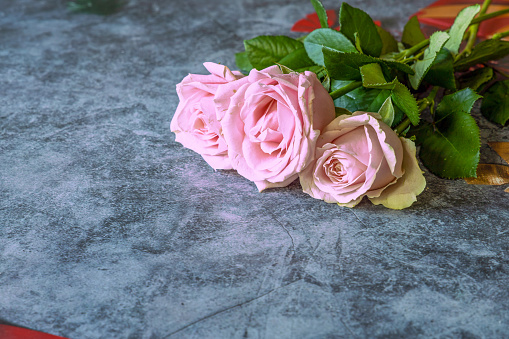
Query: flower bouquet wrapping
342,108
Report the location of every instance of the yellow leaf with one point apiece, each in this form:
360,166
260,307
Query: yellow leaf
502,148
490,174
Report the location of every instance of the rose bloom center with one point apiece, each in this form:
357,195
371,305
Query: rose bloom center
264,129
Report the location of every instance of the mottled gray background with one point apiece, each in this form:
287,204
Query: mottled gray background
110,229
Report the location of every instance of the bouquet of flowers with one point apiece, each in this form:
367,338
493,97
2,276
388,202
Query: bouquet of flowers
342,108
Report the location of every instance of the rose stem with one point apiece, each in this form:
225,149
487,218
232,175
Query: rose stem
481,18
413,49
402,126
425,43
472,31
345,89
500,35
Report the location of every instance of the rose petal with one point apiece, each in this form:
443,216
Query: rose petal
221,71
267,122
403,193
321,102
264,184
391,146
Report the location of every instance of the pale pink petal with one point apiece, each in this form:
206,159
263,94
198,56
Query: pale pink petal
263,185
391,146
218,162
224,94
220,70
323,111
378,168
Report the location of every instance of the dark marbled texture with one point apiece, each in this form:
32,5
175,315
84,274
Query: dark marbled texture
110,229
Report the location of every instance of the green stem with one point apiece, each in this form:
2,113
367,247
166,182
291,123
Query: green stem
321,73
345,89
472,31
500,35
416,57
402,126
484,17
431,100
413,49
425,43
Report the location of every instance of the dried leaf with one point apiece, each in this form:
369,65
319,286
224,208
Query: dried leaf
490,174
502,148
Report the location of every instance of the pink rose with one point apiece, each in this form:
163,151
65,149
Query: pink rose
194,123
271,121
359,155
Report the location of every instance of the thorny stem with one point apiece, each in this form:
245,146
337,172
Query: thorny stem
345,89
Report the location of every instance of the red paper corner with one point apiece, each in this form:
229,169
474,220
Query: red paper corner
13,332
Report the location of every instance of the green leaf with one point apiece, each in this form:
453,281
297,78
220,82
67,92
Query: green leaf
406,102
345,66
358,46
354,20
242,62
379,100
421,67
459,27
321,12
357,100
441,72
285,70
387,111
326,37
398,117
450,147
484,51
412,33
326,83
495,105
264,51
388,42
297,59
372,75
315,69
342,111
476,78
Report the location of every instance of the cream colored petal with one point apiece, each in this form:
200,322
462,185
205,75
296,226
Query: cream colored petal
404,192
352,203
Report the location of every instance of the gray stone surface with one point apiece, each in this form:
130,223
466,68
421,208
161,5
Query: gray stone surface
110,229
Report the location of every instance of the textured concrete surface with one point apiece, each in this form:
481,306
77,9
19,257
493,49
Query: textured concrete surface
110,229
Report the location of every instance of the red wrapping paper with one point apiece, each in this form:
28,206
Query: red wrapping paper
441,14
13,332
